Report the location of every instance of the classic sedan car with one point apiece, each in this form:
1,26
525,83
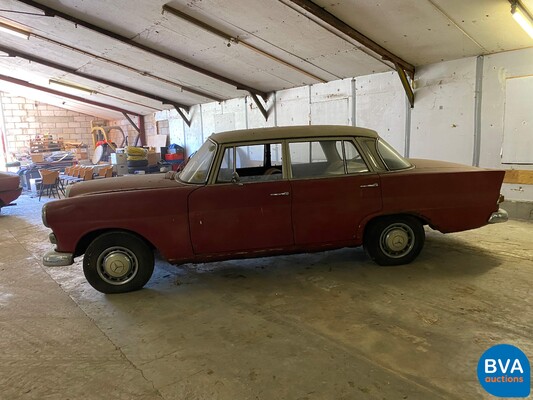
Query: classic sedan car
266,192
10,188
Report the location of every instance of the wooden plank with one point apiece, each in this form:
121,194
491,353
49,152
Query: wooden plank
519,176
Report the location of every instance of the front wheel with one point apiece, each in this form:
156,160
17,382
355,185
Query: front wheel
394,240
118,262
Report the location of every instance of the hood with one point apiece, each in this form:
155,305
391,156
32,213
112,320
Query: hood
123,183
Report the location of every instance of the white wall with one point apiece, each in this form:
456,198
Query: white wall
497,69
330,103
381,105
440,126
442,123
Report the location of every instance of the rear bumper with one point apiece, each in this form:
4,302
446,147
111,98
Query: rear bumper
498,216
56,259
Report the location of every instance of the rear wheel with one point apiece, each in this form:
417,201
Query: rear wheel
118,262
394,240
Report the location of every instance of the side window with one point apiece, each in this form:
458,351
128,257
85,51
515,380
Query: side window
369,146
354,162
307,153
250,156
325,158
225,172
315,159
251,163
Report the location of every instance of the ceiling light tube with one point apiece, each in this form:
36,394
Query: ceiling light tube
14,31
522,17
53,82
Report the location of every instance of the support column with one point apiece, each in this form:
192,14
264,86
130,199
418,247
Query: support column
477,110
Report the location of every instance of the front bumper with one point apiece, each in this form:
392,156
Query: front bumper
56,259
498,216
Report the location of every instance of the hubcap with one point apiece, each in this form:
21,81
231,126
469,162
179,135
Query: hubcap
397,240
117,265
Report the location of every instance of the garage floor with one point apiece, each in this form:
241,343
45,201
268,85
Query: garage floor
322,326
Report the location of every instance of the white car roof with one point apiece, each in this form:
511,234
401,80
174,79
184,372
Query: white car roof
291,132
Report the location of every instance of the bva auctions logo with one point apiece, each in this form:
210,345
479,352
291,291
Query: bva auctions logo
504,371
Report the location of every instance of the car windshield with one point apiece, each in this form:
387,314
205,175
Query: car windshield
197,169
391,158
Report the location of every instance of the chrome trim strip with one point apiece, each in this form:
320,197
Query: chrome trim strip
43,216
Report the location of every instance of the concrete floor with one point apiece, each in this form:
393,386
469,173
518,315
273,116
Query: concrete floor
322,326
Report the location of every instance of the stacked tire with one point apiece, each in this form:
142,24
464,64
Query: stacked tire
137,160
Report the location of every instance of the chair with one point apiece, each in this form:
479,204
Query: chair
109,172
88,174
49,182
72,175
105,172
84,174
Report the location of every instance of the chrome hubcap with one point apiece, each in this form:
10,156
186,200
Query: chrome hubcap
117,265
397,240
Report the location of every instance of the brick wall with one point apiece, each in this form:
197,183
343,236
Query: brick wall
129,130
24,119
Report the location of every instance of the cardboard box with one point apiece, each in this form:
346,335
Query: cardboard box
153,158
37,157
80,153
119,158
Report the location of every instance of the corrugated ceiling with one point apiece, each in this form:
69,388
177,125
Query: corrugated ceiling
418,31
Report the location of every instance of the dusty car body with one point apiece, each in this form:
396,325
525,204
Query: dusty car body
10,188
266,192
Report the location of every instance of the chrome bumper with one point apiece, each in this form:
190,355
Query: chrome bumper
56,259
498,216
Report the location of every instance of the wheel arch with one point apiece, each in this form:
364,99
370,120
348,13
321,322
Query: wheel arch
86,239
374,218
394,239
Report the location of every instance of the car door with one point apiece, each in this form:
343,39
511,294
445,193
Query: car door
332,191
246,212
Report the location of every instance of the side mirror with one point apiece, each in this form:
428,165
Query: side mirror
235,179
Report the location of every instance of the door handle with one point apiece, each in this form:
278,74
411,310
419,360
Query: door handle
280,194
370,185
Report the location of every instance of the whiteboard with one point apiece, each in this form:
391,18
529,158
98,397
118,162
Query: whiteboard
518,121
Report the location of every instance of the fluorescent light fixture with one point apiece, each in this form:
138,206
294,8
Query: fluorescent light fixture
72,86
522,17
14,31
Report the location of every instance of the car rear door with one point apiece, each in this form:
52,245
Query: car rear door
331,193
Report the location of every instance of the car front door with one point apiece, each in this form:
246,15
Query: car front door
247,207
332,191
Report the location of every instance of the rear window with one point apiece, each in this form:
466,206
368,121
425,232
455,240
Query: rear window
391,158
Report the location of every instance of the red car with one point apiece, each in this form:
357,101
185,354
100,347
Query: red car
265,192
10,188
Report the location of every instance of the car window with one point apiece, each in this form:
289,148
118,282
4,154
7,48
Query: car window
251,163
325,158
354,161
197,169
369,147
392,159
307,153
